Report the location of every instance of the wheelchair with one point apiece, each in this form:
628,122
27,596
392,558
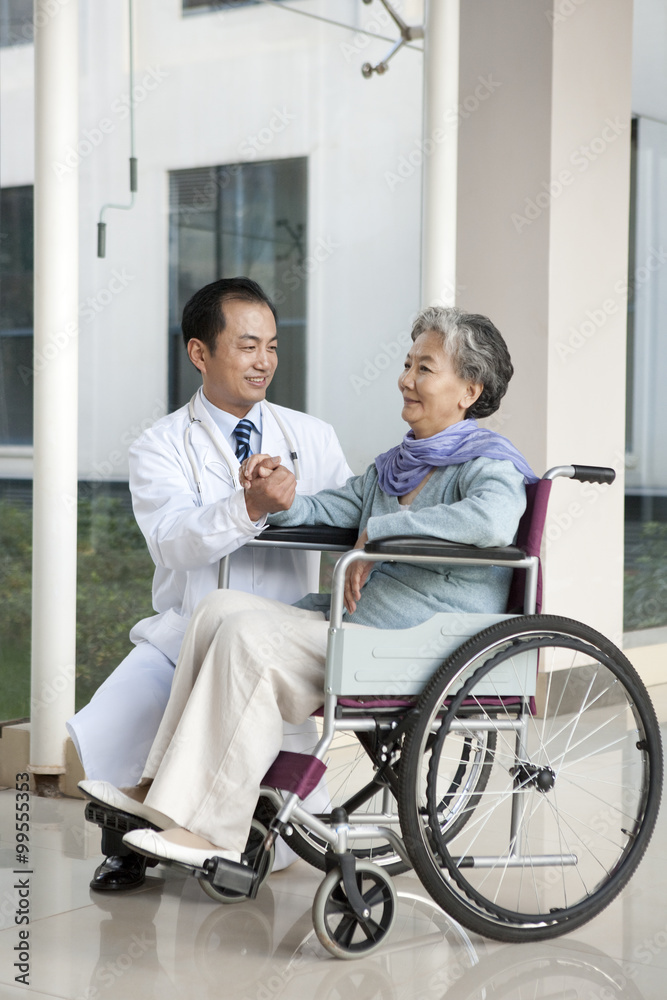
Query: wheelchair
513,761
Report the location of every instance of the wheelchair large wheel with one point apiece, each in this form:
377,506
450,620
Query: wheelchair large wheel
462,778
352,783
574,788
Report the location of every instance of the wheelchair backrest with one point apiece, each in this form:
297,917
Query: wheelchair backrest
529,540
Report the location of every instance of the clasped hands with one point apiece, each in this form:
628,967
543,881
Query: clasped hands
270,487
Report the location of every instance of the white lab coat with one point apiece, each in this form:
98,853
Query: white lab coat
114,732
187,541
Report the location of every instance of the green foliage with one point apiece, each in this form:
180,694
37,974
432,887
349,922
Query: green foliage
113,592
15,569
646,580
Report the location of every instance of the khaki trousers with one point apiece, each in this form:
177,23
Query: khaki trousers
247,663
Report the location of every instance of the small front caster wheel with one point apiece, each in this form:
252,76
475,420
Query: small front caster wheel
337,926
253,847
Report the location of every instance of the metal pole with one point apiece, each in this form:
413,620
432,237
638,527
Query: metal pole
440,147
55,384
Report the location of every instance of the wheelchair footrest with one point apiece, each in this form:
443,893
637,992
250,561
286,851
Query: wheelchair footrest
112,819
223,874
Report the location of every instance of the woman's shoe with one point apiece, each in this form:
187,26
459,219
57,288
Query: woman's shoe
177,844
106,794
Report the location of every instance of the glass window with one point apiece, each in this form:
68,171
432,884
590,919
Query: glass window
15,597
16,308
241,219
16,25
114,572
216,4
646,463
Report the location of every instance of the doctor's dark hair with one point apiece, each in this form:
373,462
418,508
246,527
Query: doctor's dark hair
477,350
204,313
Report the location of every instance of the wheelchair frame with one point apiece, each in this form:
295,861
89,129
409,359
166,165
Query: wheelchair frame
340,893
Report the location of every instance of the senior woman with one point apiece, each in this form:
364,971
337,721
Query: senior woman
248,663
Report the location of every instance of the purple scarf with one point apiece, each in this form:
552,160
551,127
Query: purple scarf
402,468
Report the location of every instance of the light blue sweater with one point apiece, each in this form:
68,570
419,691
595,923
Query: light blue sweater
478,503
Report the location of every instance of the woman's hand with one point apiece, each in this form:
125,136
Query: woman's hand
356,576
257,467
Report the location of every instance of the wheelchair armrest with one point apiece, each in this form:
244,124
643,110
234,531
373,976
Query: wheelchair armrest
421,545
313,536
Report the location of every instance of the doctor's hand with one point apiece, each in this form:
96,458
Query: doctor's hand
356,576
271,488
257,467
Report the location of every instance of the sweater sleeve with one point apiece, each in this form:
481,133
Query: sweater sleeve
341,508
493,499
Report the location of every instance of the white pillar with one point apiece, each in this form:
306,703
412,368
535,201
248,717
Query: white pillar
440,150
542,248
55,384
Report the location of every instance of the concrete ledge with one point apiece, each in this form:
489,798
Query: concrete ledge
15,755
650,662
74,772
645,637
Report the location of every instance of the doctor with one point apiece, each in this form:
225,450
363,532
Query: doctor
188,502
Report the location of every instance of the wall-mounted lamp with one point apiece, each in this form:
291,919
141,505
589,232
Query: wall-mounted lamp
408,34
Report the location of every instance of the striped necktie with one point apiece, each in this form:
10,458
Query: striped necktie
242,435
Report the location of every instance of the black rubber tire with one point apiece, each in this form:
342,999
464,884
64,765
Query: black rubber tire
341,932
602,815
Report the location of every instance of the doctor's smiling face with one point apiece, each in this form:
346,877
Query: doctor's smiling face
238,371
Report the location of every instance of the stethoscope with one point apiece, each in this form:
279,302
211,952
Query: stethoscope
233,472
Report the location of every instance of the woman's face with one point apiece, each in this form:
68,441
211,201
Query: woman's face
434,397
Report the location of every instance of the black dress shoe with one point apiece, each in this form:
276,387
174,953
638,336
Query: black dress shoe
120,872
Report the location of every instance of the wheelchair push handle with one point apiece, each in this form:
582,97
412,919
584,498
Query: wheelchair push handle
583,473
593,474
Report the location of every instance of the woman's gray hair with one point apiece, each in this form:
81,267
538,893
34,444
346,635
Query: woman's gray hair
476,348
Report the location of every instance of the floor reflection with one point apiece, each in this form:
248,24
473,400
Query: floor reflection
168,940
567,971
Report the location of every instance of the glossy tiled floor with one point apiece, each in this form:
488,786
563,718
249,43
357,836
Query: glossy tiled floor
168,940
